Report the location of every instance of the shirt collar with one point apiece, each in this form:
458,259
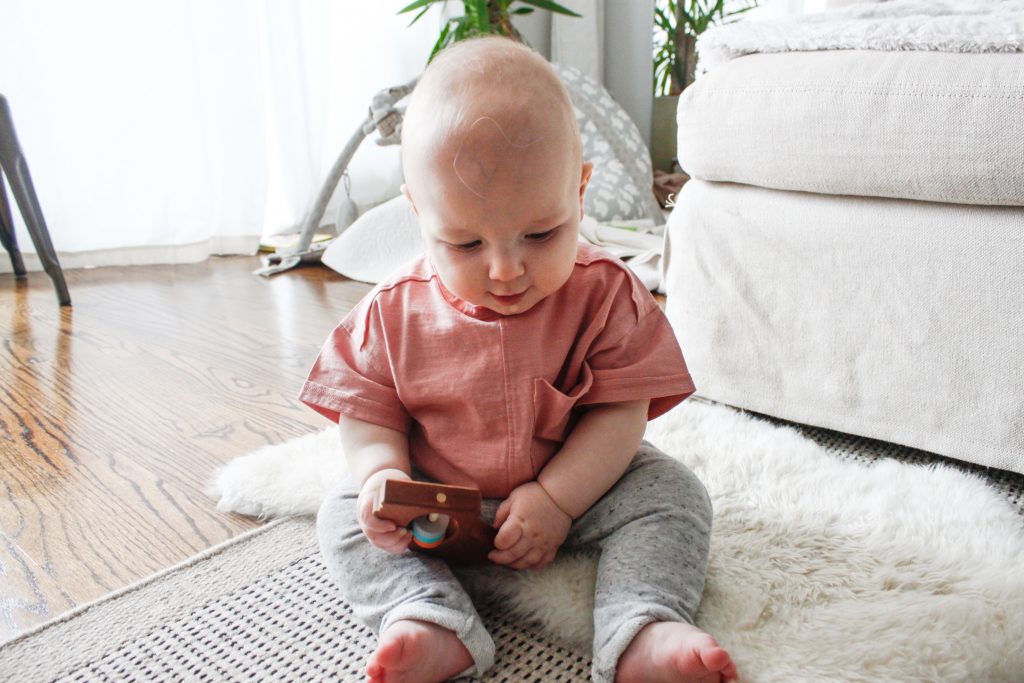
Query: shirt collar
472,310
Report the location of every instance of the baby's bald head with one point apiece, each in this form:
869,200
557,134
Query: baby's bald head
494,170
487,112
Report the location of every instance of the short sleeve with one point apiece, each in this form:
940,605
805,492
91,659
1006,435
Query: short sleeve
353,376
636,354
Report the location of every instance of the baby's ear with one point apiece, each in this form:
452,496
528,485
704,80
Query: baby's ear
405,190
588,170
585,173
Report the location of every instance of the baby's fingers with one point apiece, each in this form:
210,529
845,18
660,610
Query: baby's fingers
531,560
394,542
379,526
502,514
510,556
546,559
508,535
513,554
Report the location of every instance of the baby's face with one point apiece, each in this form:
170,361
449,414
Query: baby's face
500,210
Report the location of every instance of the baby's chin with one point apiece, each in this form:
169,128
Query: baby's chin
517,309
528,300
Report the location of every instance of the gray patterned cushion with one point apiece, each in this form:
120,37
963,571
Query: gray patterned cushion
620,188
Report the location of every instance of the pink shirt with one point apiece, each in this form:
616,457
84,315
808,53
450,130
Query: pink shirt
487,399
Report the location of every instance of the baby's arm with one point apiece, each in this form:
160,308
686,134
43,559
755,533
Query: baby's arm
536,517
595,455
374,455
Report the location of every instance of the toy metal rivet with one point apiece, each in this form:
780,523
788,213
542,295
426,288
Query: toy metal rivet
441,498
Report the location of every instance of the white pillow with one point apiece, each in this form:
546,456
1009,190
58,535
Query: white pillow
621,185
378,242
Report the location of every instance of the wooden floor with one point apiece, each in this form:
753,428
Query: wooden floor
114,415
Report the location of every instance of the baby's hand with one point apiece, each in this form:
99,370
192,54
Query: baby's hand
531,528
382,533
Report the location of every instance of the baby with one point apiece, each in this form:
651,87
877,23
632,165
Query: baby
514,359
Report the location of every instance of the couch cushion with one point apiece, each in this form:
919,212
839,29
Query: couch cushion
834,312
915,125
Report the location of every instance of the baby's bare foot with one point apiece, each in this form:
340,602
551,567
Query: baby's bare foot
417,652
674,652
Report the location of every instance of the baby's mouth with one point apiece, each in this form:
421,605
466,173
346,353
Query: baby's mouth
508,299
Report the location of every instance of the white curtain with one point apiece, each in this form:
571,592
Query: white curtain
161,131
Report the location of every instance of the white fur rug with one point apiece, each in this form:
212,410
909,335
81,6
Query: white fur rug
937,25
821,569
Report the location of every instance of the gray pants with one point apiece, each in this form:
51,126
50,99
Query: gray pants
652,530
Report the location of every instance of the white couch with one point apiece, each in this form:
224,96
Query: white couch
850,253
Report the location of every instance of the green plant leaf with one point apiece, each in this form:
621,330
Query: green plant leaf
523,10
660,20
679,22
417,17
464,28
734,12
551,6
687,18
483,15
442,40
663,81
416,5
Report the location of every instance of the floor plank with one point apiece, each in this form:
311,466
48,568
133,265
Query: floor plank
115,414
30,596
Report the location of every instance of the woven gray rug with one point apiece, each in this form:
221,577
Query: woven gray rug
257,608
261,607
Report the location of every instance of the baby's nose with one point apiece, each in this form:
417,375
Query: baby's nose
506,266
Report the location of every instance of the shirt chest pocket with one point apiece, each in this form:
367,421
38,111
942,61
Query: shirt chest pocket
553,408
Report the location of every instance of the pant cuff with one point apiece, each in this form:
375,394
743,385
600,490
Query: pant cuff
469,629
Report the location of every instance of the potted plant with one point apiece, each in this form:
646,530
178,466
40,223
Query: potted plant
677,24
481,17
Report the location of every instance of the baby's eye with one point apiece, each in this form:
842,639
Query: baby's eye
467,246
540,236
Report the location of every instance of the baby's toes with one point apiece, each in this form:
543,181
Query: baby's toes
715,658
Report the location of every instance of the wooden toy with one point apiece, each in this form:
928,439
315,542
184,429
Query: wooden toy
430,531
464,539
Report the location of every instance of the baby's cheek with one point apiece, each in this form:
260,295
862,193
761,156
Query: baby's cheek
460,282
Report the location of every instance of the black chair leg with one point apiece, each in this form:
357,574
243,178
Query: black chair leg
7,237
16,170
